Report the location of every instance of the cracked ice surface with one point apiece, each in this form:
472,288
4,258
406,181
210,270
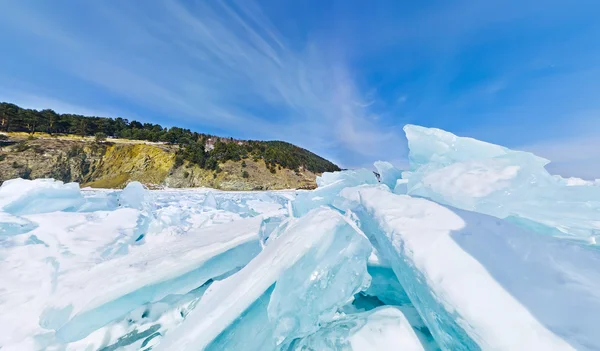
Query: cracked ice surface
476,247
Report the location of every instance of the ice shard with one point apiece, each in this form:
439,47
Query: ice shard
386,287
478,176
87,299
388,173
22,197
483,283
99,201
133,196
136,196
209,202
385,328
351,177
387,290
316,265
329,186
401,186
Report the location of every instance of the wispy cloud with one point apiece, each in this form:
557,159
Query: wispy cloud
219,64
575,151
578,157
340,79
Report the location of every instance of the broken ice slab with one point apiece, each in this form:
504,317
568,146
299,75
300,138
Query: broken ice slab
265,207
487,178
386,287
90,298
330,195
61,242
134,196
401,186
13,225
317,265
99,201
323,196
387,290
22,197
252,330
384,328
349,198
209,203
327,277
330,184
141,328
25,284
389,174
481,282
352,177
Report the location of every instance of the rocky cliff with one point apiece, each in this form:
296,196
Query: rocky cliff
114,163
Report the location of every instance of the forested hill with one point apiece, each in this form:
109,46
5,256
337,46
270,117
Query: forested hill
203,150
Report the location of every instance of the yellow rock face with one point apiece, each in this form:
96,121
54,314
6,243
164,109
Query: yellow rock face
122,163
114,164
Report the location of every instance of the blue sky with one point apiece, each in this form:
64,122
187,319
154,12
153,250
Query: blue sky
340,78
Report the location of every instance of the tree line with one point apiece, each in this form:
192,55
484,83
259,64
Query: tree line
192,145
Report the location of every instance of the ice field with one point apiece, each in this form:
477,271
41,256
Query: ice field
476,247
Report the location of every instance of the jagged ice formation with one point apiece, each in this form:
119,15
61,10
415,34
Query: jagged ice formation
476,247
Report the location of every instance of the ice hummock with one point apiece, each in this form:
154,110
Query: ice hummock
133,196
480,282
148,274
478,176
476,247
389,175
330,184
316,265
22,196
72,276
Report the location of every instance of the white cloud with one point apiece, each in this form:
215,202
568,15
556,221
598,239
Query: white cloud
578,156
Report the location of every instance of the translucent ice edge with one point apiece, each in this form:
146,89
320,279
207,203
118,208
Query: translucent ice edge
481,282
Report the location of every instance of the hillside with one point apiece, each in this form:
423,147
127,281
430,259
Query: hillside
108,153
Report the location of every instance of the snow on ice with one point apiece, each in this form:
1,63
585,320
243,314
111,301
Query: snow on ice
476,247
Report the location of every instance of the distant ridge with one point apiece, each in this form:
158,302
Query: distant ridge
186,153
